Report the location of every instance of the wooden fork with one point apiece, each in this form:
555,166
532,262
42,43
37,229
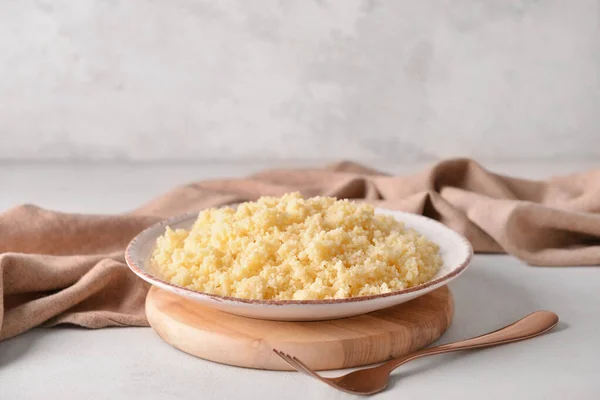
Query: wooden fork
373,380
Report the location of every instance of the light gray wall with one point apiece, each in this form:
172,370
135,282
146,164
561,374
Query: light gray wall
299,79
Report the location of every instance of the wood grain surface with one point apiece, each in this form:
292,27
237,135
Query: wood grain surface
323,345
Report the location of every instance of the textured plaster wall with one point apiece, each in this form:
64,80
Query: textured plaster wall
298,79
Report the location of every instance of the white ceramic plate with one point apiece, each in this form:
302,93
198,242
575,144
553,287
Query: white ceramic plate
456,252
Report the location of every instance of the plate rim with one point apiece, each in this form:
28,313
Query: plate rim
155,280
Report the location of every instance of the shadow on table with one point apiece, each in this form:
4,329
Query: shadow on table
483,302
12,349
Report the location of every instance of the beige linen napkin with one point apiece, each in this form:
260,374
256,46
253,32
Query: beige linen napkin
69,268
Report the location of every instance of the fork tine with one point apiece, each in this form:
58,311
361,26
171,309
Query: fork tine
309,371
291,362
300,362
300,367
296,364
328,381
303,368
288,360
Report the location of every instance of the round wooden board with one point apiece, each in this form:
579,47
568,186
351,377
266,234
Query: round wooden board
323,345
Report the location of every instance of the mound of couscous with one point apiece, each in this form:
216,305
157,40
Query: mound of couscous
291,248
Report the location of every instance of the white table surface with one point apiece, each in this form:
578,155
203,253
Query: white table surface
124,363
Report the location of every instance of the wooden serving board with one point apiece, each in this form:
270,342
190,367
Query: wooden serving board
323,345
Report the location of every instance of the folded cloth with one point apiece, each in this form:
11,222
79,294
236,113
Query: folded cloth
60,268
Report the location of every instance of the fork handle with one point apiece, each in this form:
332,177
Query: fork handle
528,327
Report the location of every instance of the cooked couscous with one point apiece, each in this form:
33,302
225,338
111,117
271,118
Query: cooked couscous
291,248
